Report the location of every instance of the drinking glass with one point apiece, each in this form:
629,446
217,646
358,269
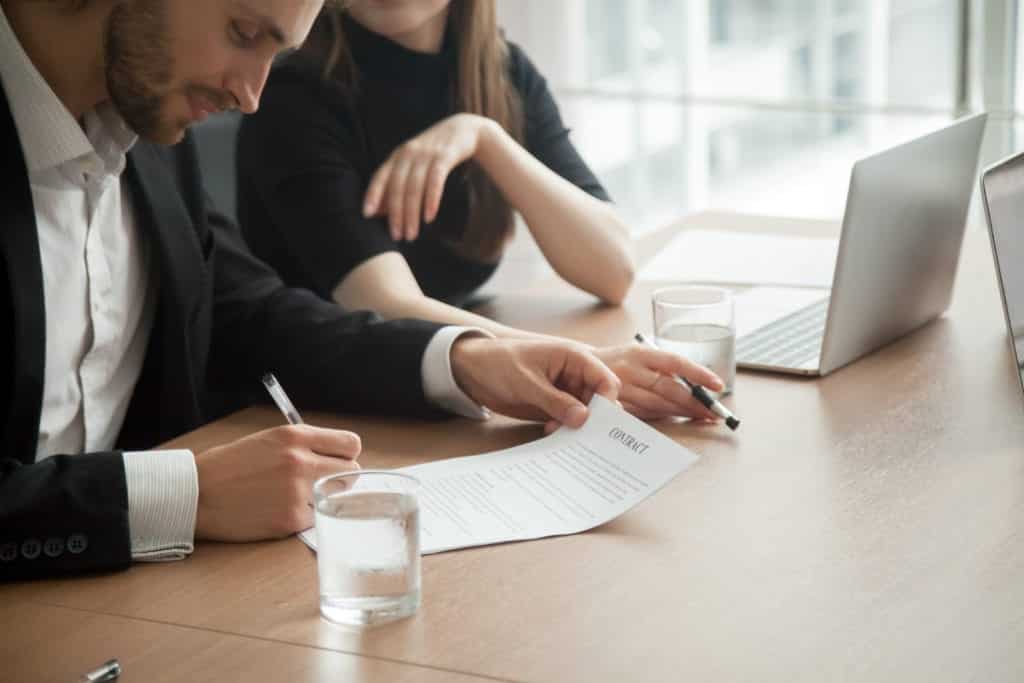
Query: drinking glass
697,322
368,546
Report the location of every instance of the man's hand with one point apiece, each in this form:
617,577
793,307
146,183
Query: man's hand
261,486
648,388
532,380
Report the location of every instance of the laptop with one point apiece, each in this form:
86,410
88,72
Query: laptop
898,250
1002,194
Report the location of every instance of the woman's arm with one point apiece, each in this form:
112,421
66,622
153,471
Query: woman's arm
581,236
386,284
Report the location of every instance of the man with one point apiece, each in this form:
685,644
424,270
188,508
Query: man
123,296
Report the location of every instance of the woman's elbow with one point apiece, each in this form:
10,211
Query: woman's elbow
624,270
614,289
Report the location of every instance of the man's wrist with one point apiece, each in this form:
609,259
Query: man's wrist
462,364
439,384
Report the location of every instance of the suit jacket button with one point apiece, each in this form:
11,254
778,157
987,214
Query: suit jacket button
8,552
77,543
30,548
53,547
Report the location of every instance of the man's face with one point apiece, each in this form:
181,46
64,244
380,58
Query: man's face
171,63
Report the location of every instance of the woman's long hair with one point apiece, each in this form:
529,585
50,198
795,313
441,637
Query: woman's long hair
481,87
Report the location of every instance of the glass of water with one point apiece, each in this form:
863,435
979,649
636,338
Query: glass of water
697,322
368,546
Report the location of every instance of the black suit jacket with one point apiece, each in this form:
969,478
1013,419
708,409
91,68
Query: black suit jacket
223,319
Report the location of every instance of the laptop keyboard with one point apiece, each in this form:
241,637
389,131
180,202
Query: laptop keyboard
789,342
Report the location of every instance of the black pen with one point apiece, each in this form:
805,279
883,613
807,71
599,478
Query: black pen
108,672
699,392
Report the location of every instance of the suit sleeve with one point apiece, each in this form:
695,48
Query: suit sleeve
63,515
328,358
68,514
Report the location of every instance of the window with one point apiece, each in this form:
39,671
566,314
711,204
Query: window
759,105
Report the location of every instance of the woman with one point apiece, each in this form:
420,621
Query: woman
415,132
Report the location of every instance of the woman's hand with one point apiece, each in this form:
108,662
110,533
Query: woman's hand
409,184
648,388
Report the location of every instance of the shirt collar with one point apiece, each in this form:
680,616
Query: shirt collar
50,135
110,135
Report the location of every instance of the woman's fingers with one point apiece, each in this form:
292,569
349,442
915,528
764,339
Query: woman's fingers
437,175
409,191
375,190
414,188
650,385
396,197
671,364
662,401
409,185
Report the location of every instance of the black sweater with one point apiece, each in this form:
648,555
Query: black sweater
306,157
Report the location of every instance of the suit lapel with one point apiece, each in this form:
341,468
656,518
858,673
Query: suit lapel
19,250
163,217
166,397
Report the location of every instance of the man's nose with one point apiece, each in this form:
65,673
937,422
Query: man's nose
247,85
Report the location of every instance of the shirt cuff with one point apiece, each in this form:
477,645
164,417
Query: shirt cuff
163,492
439,383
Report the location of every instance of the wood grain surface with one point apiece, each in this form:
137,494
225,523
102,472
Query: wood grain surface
864,526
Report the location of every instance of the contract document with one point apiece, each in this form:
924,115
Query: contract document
565,483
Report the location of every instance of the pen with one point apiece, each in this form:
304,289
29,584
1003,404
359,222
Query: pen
108,672
283,402
281,399
699,392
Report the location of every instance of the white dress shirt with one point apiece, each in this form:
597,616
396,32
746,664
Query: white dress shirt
100,294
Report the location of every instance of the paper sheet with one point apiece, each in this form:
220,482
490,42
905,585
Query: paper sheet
565,483
744,258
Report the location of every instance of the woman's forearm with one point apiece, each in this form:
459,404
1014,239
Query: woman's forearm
582,237
425,308
385,284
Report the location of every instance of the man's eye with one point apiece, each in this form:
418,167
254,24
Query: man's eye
243,35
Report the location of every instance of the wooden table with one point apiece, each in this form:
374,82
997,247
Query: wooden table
865,526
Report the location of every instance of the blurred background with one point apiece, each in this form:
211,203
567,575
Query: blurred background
763,105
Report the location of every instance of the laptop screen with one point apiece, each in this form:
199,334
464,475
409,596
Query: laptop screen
1003,188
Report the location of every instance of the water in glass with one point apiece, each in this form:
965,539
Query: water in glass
713,346
368,556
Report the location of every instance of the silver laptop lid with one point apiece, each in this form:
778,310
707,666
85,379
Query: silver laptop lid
1002,191
900,243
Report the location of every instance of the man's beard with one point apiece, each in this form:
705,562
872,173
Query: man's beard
139,64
